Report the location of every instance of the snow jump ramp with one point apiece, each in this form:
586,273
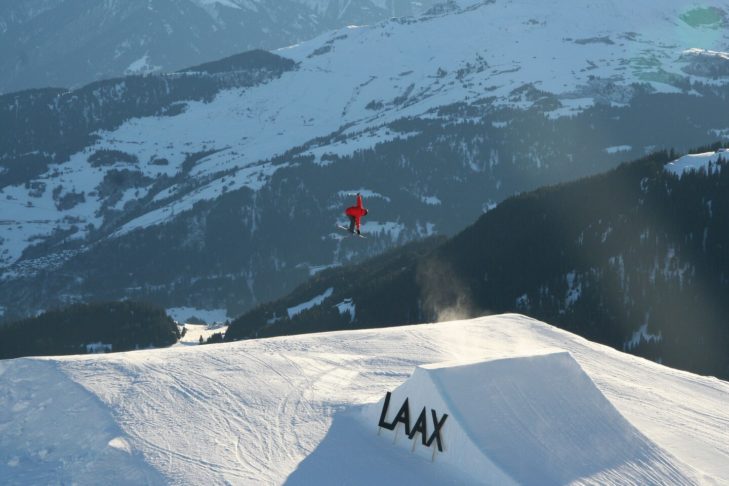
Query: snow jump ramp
522,420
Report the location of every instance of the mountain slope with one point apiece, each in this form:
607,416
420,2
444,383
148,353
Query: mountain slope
69,43
465,113
295,409
633,258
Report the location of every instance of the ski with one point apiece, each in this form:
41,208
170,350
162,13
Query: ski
350,232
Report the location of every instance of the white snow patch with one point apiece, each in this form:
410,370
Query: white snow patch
347,306
165,193
423,230
642,335
354,142
297,309
366,193
141,66
573,290
488,206
314,269
720,132
618,148
707,53
121,444
570,107
253,177
695,162
390,229
430,200
131,194
193,333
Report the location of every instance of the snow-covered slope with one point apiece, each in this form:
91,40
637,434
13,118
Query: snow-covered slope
299,410
459,107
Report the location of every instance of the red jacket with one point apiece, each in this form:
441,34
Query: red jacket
356,211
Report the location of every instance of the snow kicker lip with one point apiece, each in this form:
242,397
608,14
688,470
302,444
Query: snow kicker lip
536,419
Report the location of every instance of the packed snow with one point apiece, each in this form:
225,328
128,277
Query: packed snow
303,410
513,421
193,333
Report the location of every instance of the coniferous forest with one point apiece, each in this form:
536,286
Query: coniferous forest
82,328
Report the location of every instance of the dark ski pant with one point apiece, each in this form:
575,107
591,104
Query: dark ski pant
352,224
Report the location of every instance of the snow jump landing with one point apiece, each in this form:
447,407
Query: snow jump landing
524,420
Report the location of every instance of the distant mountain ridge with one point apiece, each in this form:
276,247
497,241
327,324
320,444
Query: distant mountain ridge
69,43
635,258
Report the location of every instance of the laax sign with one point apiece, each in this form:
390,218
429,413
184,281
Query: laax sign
421,423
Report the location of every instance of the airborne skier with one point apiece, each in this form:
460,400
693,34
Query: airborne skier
355,213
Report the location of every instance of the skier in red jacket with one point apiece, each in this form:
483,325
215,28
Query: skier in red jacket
355,213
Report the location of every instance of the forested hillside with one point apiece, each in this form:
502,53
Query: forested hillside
89,328
635,258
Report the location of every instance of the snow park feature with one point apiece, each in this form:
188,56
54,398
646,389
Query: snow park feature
525,403
535,419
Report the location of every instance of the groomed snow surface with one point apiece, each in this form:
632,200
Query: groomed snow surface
526,402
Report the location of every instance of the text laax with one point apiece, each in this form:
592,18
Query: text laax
421,423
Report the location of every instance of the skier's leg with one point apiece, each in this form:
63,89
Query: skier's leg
351,224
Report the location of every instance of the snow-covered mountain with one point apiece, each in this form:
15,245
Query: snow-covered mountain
434,119
68,43
305,409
